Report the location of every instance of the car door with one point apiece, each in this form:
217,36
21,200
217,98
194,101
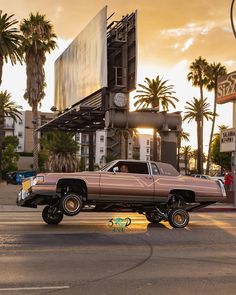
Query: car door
165,177
136,185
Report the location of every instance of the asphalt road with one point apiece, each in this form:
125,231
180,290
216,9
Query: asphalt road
84,255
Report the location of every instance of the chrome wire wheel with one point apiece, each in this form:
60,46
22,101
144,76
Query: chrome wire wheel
71,204
178,218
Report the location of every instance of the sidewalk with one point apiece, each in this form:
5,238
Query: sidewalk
8,194
219,207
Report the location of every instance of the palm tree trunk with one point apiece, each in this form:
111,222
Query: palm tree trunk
1,67
201,134
178,152
35,135
199,147
1,122
154,149
1,139
185,164
212,131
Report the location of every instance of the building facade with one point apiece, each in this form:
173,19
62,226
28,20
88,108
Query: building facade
138,147
23,130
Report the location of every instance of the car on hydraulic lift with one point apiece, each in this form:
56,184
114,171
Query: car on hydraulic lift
154,189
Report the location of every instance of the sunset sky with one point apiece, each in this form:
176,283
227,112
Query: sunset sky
171,34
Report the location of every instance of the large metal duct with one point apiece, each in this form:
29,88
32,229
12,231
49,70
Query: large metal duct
168,126
162,121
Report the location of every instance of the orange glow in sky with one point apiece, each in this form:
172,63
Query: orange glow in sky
171,34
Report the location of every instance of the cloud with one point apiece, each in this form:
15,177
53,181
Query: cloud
171,34
187,44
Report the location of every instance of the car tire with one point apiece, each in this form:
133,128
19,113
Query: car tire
71,204
178,218
52,215
153,217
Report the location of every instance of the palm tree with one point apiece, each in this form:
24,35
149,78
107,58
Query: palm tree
186,151
154,93
197,110
215,70
38,39
183,136
61,148
222,159
194,156
7,109
10,41
198,76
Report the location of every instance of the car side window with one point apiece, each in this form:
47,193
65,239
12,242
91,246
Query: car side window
131,167
155,170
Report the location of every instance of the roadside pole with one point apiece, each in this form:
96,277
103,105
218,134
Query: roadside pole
234,171
234,163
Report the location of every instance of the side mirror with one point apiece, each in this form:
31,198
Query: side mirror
115,169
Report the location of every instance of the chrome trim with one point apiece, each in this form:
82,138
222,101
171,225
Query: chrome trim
222,187
22,195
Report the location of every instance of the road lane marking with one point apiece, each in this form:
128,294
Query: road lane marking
35,288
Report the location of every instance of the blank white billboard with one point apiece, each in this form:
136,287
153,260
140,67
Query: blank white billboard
82,68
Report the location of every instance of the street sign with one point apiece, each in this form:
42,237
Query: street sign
227,140
226,88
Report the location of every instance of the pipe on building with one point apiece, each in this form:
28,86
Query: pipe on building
162,121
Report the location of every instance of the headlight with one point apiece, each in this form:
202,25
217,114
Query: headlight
38,179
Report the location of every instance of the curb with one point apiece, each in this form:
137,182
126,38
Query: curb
231,209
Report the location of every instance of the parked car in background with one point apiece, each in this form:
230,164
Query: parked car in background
154,189
221,178
203,176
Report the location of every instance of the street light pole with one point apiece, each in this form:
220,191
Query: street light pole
232,18
234,106
234,167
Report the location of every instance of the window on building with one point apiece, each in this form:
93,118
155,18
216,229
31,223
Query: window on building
78,136
101,150
84,139
148,142
148,150
20,134
83,150
101,138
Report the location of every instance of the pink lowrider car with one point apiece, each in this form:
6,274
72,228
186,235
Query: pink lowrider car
151,188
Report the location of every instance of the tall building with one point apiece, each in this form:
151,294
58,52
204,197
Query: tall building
142,147
100,147
23,129
139,147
